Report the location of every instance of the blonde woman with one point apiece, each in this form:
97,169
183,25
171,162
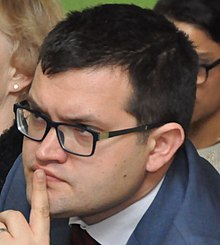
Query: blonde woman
23,26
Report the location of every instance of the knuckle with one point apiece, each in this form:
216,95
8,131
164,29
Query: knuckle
13,214
43,211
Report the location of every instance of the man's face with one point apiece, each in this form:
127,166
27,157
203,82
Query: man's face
113,177
208,93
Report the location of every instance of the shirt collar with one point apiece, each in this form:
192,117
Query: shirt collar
118,228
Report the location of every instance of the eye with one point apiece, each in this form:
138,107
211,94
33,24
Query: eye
83,130
36,120
85,127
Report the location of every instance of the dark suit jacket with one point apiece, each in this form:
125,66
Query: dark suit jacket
186,210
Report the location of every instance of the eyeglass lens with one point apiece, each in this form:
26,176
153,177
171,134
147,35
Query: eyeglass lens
73,139
203,71
202,75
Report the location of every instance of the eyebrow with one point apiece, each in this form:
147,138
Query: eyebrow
81,119
32,103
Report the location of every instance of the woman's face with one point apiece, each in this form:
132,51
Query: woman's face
5,68
208,92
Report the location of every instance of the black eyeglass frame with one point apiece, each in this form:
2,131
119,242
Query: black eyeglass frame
209,67
96,135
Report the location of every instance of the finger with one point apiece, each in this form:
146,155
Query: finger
4,234
3,229
14,223
2,223
39,216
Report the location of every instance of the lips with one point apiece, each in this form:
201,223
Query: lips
50,176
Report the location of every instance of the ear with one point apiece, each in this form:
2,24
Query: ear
18,81
164,142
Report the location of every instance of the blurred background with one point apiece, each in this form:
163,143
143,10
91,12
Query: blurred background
80,4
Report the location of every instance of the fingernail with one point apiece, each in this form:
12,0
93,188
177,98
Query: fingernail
40,174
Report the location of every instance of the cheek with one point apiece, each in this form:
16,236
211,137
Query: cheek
123,170
122,157
28,178
3,85
28,151
28,157
208,95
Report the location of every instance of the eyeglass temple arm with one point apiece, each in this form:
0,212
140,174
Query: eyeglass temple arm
106,135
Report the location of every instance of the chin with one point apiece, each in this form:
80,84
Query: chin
196,118
57,212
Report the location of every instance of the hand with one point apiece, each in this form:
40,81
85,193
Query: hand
19,232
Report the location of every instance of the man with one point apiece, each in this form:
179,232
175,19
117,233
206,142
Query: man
199,19
104,121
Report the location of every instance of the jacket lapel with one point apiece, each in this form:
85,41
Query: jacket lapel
155,224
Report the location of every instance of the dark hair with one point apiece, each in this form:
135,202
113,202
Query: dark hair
204,14
159,59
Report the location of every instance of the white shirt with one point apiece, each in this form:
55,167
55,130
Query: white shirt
118,228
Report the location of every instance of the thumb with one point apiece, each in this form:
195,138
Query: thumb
40,215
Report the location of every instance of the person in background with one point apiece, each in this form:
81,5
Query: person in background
105,150
200,19
23,26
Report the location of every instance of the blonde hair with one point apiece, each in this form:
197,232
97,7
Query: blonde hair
26,23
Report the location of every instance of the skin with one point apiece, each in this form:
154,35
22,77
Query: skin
122,170
37,231
206,115
89,100
9,77
6,100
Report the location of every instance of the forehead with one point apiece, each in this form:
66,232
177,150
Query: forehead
82,89
203,43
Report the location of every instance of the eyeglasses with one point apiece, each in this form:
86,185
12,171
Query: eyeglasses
204,69
73,138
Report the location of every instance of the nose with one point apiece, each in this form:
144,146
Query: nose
49,149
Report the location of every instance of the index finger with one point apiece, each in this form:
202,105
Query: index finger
39,216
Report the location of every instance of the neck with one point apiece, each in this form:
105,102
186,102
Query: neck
206,132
